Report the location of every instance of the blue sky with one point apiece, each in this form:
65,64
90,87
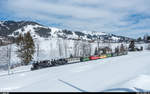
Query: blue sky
122,17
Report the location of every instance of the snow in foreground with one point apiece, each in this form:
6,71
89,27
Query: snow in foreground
124,73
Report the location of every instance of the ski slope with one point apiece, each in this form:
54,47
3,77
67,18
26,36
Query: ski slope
124,73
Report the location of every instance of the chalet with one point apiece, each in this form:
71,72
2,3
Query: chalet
148,39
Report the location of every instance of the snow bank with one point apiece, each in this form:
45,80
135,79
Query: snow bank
116,73
141,83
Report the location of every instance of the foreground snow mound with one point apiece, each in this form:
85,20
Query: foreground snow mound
141,83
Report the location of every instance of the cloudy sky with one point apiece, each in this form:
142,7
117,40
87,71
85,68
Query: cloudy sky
122,17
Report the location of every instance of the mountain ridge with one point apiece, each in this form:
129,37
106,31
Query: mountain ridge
13,28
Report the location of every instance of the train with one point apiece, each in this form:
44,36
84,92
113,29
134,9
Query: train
47,63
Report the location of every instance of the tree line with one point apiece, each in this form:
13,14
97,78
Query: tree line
26,48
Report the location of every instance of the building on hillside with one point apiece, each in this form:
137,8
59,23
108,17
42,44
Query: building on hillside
148,39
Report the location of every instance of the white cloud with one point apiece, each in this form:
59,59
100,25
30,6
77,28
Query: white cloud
95,15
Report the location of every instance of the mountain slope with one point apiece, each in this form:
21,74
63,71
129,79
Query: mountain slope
12,28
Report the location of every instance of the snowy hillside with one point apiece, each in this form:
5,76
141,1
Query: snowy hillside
128,73
12,28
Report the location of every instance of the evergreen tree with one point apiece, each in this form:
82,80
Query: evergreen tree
117,50
141,48
96,51
139,39
19,40
71,56
26,48
132,46
104,50
122,48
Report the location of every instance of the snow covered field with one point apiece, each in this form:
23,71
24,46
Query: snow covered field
124,73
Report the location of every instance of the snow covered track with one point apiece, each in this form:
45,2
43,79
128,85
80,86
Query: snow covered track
123,72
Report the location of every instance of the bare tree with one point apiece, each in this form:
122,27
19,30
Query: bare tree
85,48
59,47
76,48
50,47
65,46
37,50
89,49
9,58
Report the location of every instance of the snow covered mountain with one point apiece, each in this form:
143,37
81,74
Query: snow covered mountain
12,28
